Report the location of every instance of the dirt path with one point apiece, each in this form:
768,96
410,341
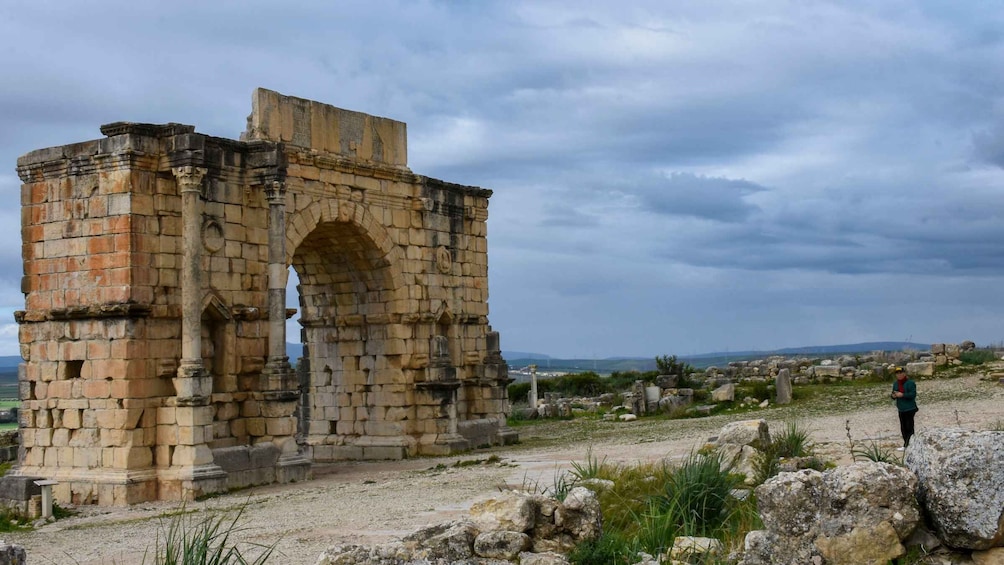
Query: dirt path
368,502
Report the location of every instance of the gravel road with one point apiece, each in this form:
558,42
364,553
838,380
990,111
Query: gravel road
369,502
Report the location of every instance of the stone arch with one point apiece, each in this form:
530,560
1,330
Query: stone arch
354,402
302,223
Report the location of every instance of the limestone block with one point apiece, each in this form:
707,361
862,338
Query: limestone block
961,478
920,369
754,433
280,426
255,426
854,507
724,393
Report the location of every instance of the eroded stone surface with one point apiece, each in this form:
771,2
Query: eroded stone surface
961,484
153,332
867,506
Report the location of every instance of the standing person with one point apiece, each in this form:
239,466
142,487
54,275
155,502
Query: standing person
904,392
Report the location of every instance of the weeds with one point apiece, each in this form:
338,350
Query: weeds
592,468
874,452
11,521
205,541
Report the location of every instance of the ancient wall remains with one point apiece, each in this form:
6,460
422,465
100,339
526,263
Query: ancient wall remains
153,334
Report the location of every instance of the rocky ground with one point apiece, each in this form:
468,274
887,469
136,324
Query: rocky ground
368,502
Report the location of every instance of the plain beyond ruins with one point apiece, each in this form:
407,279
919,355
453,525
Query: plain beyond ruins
154,328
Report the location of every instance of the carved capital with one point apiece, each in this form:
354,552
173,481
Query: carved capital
189,178
275,192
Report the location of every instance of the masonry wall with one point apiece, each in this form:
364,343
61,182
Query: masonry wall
400,359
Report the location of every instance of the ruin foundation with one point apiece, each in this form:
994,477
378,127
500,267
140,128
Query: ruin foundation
154,329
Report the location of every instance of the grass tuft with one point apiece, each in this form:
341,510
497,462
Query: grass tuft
190,540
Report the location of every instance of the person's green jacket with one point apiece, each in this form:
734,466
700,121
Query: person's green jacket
909,400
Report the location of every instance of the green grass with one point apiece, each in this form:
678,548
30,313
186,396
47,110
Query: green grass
977,357
649,505
195,539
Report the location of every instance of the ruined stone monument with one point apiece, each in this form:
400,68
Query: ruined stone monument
154,328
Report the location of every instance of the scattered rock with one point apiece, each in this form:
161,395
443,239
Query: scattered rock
961,484
501,544
724,393
864,508
694,549
754,433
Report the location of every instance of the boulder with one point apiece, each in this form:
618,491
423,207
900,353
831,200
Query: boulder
724,393
12,554
754,433
452,541
741,459
694,549
546,558
580,515
856,514
961,484
501,544
667,381
510,510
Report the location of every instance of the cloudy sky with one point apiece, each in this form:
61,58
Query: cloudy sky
669,177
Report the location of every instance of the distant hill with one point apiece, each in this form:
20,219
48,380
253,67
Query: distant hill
703,360
524,355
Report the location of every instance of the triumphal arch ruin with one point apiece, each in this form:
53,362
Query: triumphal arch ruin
154,329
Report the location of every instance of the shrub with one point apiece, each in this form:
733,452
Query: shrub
977,356
874,452
793,441
610,548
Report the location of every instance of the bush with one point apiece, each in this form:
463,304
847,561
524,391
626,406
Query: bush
698,495
793,441
611,548
977,357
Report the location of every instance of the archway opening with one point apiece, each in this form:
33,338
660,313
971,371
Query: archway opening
343,292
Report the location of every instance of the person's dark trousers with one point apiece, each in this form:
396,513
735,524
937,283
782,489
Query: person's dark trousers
906,425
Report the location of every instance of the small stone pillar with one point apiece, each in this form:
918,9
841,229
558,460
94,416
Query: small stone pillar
46,496
533,387
782,385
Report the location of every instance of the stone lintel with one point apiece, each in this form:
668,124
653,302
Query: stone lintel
117,310
149,130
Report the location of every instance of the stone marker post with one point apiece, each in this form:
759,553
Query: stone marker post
782,385
533,387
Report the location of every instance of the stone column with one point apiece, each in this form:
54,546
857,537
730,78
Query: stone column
533,387
191,385
280,379
194,470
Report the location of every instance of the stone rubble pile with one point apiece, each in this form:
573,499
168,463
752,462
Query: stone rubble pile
718,384
871,512
514,527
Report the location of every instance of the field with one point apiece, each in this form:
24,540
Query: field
365,502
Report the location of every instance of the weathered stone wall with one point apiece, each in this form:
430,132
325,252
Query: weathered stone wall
154,325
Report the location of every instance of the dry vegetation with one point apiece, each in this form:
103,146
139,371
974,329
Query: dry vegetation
375,501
